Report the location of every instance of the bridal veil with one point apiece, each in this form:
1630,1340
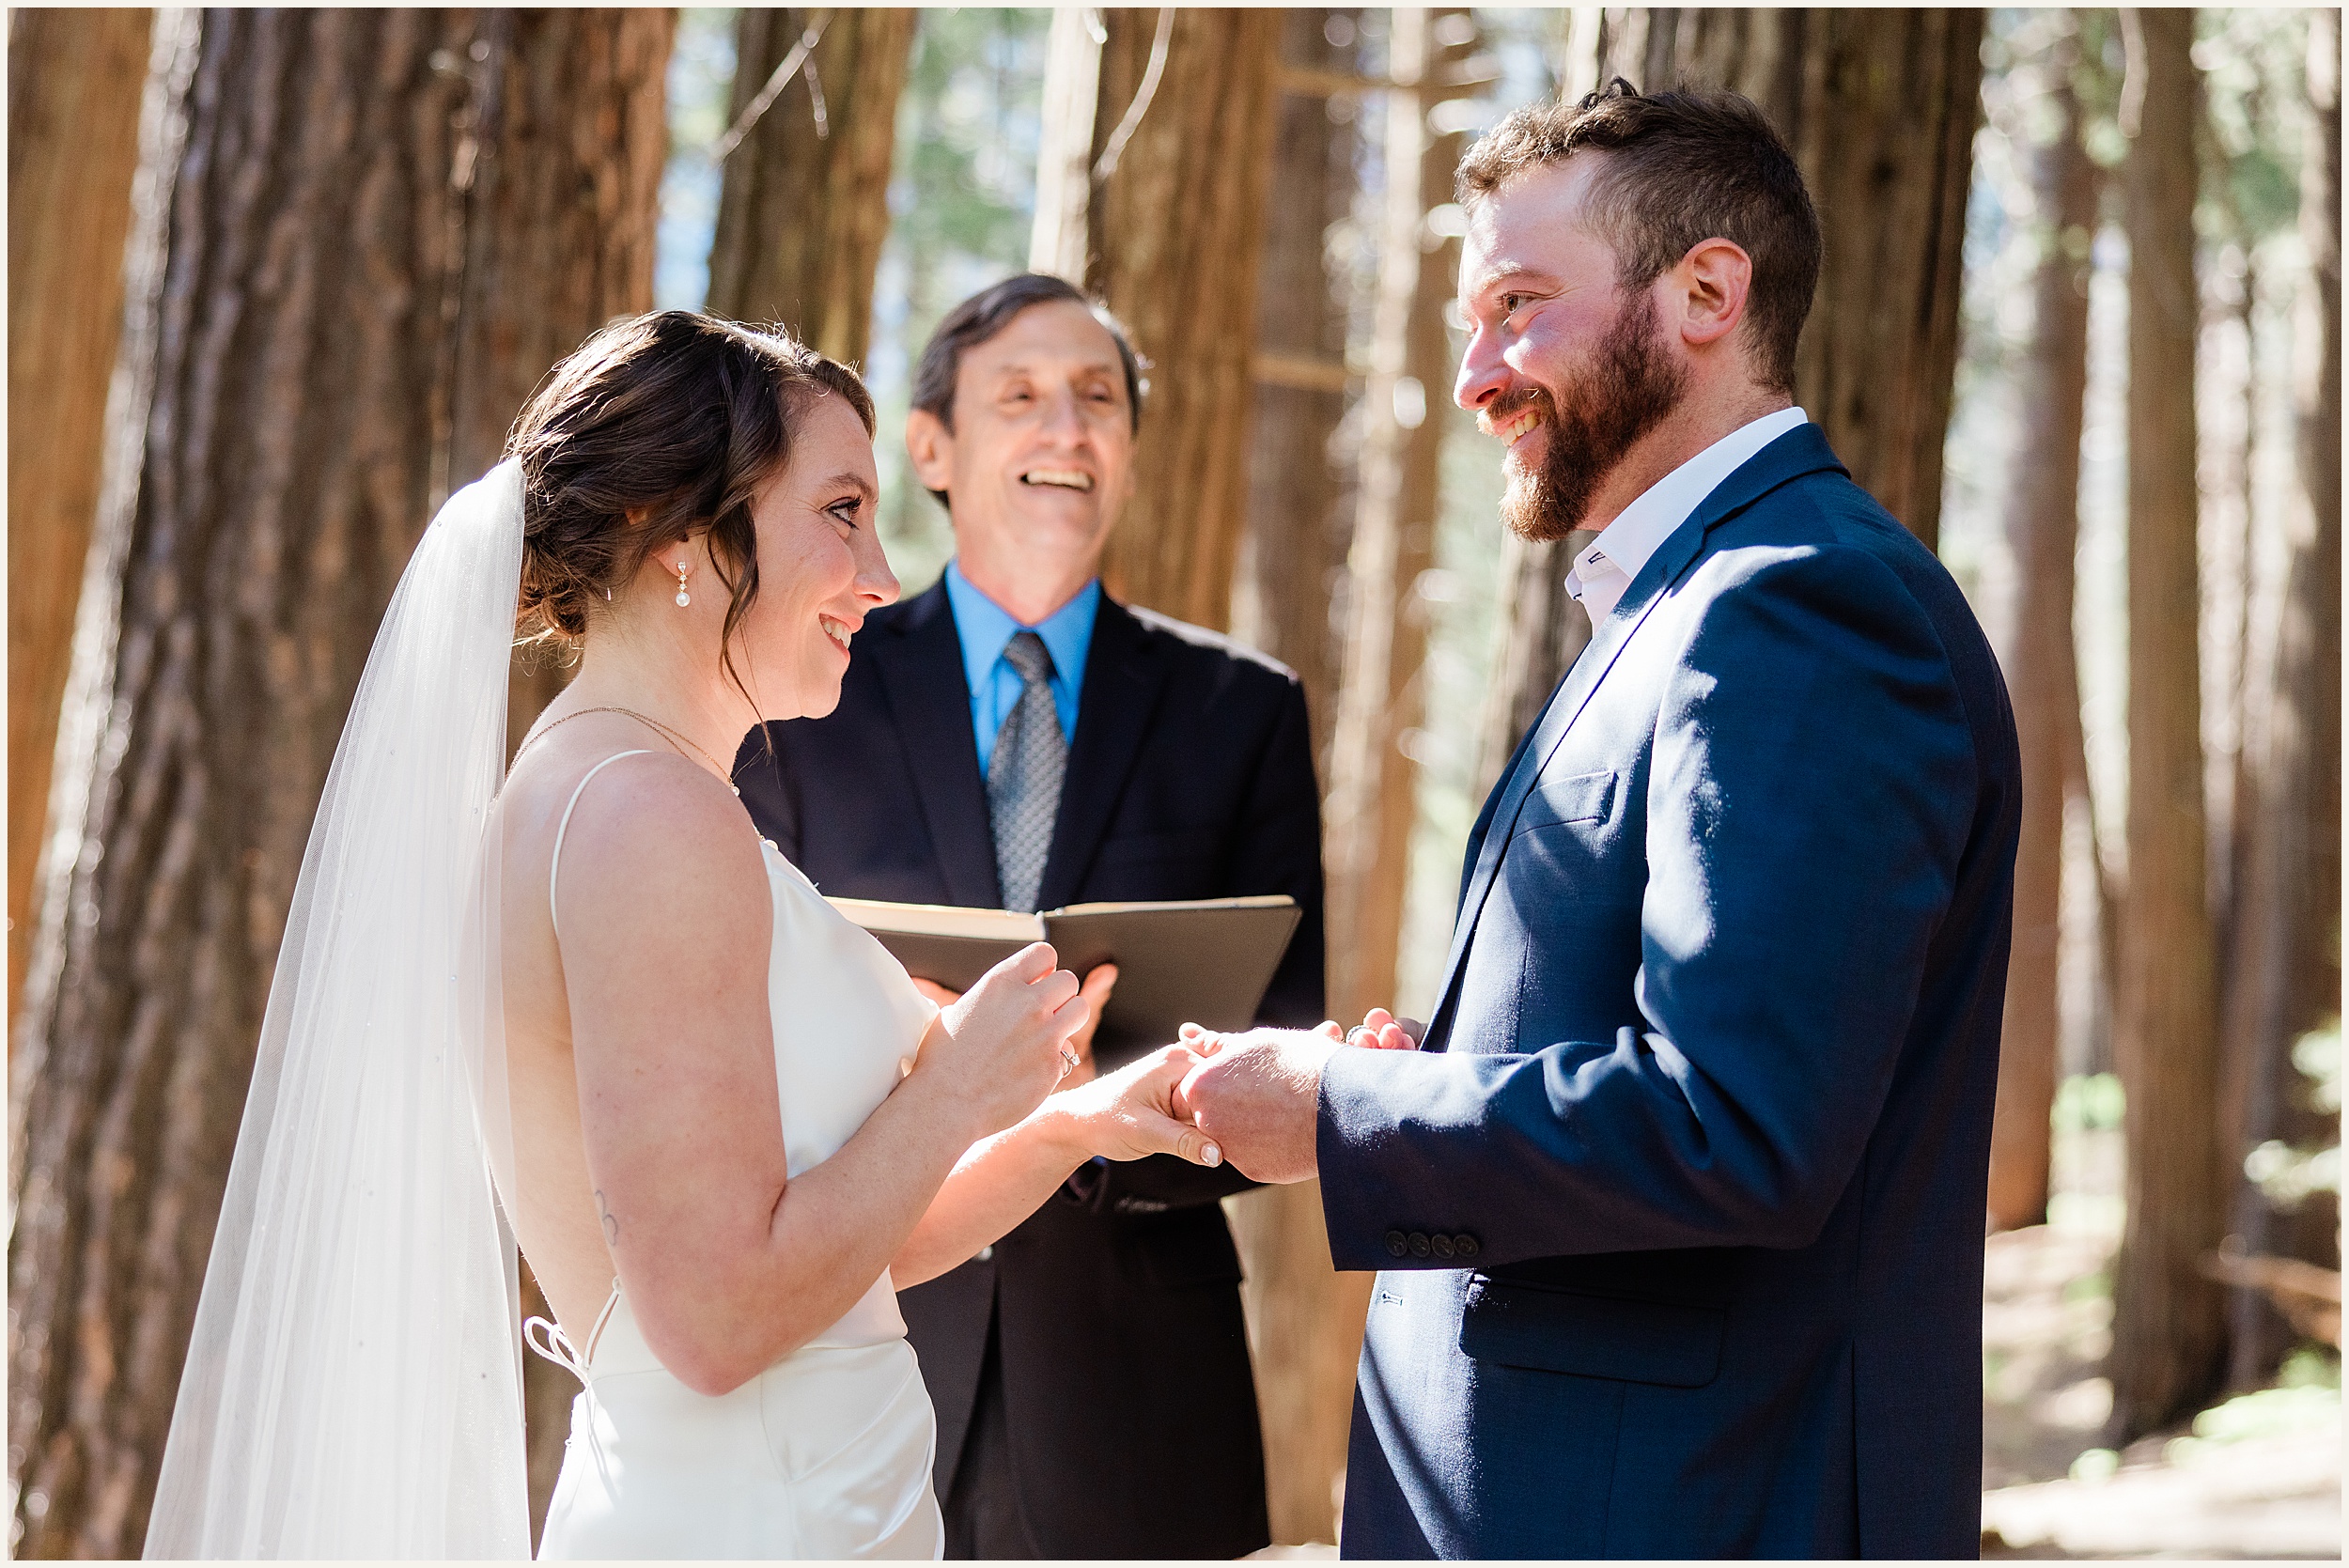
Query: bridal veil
353,1386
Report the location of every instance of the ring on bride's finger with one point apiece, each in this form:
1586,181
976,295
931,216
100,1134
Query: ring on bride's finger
1358,1034
1067,1062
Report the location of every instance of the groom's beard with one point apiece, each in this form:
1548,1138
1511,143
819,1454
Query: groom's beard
1629,389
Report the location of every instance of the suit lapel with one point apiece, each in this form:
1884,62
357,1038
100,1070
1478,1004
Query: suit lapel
920,659
1800,451
1124,674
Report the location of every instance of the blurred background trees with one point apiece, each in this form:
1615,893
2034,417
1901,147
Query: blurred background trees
2078,326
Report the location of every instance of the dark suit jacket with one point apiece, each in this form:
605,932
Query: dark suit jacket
1708,1096
1124,1357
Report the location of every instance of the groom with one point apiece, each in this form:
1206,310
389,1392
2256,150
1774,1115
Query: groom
1679,1210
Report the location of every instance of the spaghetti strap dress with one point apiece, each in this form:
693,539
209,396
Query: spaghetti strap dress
827,1452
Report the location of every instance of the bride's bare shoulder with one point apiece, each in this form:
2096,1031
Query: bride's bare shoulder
652,828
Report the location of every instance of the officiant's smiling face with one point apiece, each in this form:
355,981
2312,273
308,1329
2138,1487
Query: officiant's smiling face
1565,367
820,566
1037,459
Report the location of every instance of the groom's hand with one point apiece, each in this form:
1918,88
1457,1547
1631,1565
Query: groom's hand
1257,1095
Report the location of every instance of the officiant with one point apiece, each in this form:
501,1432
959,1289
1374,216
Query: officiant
1016,738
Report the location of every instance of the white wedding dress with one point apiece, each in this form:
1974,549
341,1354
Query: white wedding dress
826,1453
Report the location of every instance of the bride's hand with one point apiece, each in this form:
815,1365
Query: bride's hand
1131,1113
1002,1046
1098,982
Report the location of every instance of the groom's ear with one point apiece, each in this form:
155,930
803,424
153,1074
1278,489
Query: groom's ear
1713,280
930,446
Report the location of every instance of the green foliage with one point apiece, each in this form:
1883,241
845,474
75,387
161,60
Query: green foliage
2253,62
2288,1176
962,198
2088,1102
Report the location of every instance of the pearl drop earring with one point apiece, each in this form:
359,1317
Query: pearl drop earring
683,599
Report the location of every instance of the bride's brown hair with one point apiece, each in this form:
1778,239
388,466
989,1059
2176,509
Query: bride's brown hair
656,425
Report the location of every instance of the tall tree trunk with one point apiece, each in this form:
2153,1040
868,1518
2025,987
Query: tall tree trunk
1175,232
805,205
2034,625
1294,545
1373,789
1060,241
1879,107
344,279
2167,1326
1303,1317
74,80
2284,967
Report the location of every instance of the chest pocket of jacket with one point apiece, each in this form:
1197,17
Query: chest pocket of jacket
1585,800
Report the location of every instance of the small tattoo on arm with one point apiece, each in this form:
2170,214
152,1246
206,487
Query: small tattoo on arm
610,1223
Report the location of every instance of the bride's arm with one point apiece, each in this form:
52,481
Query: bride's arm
666,920
1001,1180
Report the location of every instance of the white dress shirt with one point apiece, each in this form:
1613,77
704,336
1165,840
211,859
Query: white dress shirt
1605,569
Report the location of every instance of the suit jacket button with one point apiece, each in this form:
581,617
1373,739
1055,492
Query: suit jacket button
1397,1244
1465,1246
1419,1245
986,1253
1442,1245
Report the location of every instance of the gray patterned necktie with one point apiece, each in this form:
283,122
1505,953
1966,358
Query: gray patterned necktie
1023,776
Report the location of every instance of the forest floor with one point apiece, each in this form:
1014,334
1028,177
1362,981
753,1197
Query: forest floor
2256,1476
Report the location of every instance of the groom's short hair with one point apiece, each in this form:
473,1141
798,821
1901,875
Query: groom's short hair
1682,167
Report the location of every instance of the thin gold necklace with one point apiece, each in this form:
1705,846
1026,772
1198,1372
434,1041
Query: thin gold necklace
672,736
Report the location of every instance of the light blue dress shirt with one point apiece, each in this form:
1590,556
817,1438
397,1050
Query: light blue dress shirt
987,629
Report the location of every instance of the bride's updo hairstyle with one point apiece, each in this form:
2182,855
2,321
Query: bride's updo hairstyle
656,425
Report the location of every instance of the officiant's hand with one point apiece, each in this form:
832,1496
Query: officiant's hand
1098,982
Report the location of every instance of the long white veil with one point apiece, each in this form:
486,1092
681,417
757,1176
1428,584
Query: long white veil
353,1386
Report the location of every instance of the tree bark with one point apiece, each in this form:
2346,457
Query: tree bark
1294,546
1373,792
75,82
1304,1318
1879,107
2284,969
2167,1327
2032,627
347,295
805,205
1175,230
1310,1317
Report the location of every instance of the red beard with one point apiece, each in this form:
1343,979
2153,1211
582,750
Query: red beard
1628,391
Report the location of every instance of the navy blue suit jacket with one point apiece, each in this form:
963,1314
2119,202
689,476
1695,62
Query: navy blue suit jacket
1680,1212
1116,1305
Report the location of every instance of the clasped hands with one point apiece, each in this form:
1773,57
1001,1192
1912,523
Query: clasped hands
1252,1097
1256,1095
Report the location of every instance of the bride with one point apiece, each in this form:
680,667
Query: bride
593,1004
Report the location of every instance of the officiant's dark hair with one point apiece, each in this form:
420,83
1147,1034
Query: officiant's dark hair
1682,167
655,426
988,312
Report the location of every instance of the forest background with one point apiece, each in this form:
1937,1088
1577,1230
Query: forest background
278,281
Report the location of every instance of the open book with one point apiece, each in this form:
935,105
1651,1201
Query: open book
1205,962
